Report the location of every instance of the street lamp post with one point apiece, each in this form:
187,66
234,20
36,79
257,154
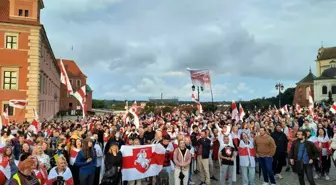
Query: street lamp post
279,86
198,91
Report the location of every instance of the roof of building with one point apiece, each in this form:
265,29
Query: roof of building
326,53
309,79
4,15
71,68
88,88
328,74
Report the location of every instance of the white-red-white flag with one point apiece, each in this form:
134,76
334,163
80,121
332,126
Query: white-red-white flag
333,108
133,110
200,77
199,105
126,116
241,113
6,117
64,78
80,95
20,104
67,176
140,162
284,109
311,101
5,169
73,155
235,113
298,108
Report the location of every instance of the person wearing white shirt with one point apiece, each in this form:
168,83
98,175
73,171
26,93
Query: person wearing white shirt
99,153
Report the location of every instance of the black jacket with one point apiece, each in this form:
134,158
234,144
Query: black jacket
193,138
206,146
312,150
281,142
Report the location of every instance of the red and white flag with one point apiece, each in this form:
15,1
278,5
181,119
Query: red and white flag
284,109
5,115
311,101
80,95
140,162
36,125
199,105
241,113
73,155
126,116
333,108
5,169
20,104
42,175
298,108
133,110
235,113
67,176
64,78
200,77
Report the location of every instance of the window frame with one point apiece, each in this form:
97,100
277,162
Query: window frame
80,83
326,90
20,13
333,89
12,35
10,69
3,108
26,13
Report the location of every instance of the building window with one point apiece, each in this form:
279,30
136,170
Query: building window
78,83
26,13
10,109
11,41
71,82
324,89
333,89
10,80
20,12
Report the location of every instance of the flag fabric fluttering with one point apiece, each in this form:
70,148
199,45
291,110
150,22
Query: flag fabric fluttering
235,113
64,78
284,109
311,101
80,95
126,116
35,126
20,104
133,110
6,117
200,77
298,108
333,108
5,168
199,105
241,112
140,162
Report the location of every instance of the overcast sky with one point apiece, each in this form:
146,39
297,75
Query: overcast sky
133,49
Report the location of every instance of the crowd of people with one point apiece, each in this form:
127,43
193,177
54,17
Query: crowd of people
88,152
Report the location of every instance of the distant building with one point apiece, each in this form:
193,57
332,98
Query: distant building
28,66
77,79
163,100
324,83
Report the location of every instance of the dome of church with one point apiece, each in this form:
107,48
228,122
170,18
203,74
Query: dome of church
330,73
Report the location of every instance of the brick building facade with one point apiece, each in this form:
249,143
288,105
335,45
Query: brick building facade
28,67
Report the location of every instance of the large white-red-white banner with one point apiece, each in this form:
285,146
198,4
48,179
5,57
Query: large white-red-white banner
143,161
64,78
200,77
